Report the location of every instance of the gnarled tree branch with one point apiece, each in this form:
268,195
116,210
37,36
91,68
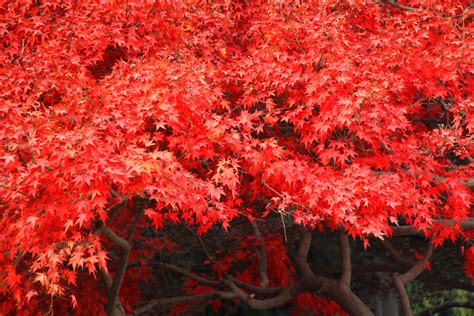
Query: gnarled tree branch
261,298
113,305
410,230
399,281
190,275
284,296
301,262
258,290
444,306
116,239
346,259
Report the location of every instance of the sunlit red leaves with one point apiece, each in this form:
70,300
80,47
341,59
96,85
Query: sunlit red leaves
353,114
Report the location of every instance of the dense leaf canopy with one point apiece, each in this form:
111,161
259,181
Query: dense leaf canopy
351,115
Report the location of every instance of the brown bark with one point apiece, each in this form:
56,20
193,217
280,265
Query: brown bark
116,239
284,296
264,292
190,275
402,294
346,260
341,294
410,230
444,306
113,306
301,263
399,281
115,309
262,298
309,282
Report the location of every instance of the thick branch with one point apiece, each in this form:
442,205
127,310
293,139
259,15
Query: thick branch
444,306
113,302
273,297
113,297
107,280
258,290
308,282
115,307
399,281
301,262
116,239
284,296
402,294
262,256
339,293
444,279
262,291
410,230
346,260
418,267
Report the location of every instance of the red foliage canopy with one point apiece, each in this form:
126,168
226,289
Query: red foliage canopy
349,115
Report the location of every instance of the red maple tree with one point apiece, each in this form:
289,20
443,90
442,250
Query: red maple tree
264,123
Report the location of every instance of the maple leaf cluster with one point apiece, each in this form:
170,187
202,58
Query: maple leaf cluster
339,115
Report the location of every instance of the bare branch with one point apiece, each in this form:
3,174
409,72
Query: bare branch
116,239
258,290
114,193
182,299
273,297
442,278
404,230
402,294
262,255
346,259
338,292
410,230
113,301
399,281
444,306
112,287
418,267
301,262
261,291
212,259
284,296
107,279
190,275
113,298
